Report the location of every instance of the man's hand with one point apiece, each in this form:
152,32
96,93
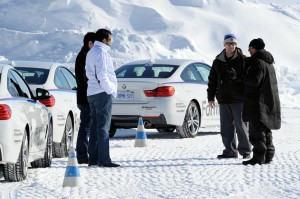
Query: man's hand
211,104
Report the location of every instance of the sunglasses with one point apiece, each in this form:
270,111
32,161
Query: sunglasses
231,43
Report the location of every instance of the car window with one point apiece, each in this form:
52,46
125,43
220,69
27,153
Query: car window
203,70
146,71
60,81
70,78
17,86
34,75
190,74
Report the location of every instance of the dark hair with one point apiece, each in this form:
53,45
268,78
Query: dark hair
258,44
90,36
102,34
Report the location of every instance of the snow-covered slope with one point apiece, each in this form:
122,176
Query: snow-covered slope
52,30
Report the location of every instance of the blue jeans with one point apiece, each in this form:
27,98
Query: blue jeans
100,106
84,132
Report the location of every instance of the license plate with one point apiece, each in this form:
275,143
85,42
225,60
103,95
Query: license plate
125,96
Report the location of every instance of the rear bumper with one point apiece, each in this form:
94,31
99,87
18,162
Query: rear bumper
131,121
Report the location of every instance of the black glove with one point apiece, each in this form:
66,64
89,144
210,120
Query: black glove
232,74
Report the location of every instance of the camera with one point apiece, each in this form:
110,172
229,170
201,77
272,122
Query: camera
232,74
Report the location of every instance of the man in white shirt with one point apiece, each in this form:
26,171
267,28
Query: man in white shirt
102,86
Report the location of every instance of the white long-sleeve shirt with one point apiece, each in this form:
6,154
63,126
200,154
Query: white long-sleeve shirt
99,64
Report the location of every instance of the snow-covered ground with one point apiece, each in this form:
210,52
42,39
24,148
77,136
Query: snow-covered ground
52,30
175,168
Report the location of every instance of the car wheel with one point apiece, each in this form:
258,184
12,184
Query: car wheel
166,130
47,159
112,131
17,172
191,123
62,149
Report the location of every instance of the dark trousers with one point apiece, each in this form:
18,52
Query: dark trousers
232,126
83,132
261,139
100,106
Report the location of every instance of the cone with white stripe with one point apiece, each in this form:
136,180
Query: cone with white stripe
140,137
72,175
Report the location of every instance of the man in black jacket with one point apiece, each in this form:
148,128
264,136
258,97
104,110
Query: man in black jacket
82,102
227,66
261,102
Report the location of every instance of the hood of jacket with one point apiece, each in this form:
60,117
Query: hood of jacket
104,47
264,55
222,55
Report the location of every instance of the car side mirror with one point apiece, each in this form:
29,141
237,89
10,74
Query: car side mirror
42,94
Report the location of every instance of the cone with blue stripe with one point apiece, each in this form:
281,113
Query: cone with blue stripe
141,137
72,175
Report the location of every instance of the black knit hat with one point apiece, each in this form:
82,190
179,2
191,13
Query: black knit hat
258,44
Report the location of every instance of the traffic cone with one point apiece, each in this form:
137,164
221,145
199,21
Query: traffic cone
141,137
72,175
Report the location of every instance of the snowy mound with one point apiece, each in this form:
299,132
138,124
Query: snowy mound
52,30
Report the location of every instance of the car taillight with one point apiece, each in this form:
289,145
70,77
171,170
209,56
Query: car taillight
48,102
165,91
5,112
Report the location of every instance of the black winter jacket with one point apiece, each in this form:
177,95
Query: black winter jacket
261,92
220,85
81,78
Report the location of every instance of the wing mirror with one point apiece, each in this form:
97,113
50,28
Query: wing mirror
42,94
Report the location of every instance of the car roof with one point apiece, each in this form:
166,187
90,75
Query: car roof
34,64
4,66
164,61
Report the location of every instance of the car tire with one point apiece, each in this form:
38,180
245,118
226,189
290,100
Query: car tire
62,149
17,172
47,159
112,131
166,130
191,123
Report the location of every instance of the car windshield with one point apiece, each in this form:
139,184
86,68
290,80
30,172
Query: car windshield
34,75
146,71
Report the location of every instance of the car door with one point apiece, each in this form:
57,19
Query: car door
35,112
62,100
72,94
210,114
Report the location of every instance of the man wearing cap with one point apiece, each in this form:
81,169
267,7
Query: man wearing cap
261,102
227,67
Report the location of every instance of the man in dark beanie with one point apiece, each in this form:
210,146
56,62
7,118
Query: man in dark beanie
258,44
82,102
261,102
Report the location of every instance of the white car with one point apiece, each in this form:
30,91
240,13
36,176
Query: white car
169,94
61,84
25,126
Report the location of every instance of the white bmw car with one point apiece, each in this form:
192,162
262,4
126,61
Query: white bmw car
61,84
169,94
25,126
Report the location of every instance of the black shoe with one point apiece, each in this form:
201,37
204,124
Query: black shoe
253,162
226,156
93,164
83,161
268,161
111,165
246,156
